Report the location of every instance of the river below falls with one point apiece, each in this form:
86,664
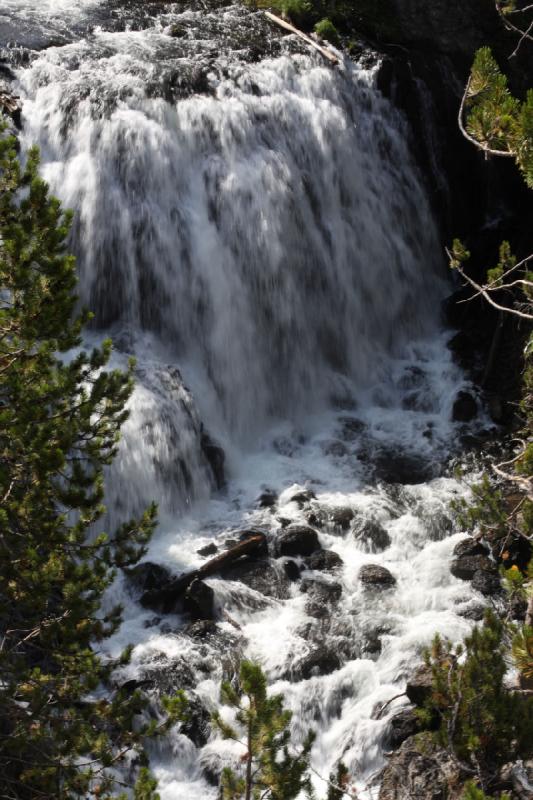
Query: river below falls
252,226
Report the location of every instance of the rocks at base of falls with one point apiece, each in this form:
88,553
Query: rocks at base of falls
324,561
419,685
264,576
147,576
267,499
215,457
401,726
297,540
322,596
392,466
465,567
371,534
376,576
199,600
413,773
470,547
321,660
208,550
464,407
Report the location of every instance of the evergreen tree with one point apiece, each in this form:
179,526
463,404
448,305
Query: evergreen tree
271,770
60,418
481,723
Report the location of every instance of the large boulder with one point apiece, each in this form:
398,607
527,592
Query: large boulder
374,575
465,567
413,773
419,685
341,517
401,726
297,540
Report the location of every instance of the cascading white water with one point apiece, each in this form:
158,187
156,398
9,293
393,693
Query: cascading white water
271,238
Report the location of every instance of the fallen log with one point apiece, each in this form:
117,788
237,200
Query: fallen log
324,51
166,598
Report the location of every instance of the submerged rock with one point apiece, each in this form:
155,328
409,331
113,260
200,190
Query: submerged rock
321,597
297,540
341,517
262,575
372,535
147,576
376,575
267,499
320,661
303,497
325,560
393,467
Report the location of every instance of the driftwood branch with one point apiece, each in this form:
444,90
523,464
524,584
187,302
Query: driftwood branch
324,51
166,597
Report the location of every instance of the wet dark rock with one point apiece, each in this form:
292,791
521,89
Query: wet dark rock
303,497
202,629
325,560
372,534
199,600
292,570
413,774
352,428
470,547
335,448
317,517
320,661
147,576
393,467
262,575
464,407
267,499
377,576
297,540
208,550
419,685
166,676
341,517
229,543
515,551
284,521
197,724
214,456
326,590
473,612
488,583
465,567
402,725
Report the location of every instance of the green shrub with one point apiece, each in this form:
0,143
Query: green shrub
327,30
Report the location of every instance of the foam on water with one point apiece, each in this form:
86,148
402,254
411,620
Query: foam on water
267,251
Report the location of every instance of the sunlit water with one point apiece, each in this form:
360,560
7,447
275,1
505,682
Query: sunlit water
267,250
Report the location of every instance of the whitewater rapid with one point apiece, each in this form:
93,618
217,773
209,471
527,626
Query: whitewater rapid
258,235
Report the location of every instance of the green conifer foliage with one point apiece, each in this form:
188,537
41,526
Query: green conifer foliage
60,736
481,722
473,792
271,769
497,121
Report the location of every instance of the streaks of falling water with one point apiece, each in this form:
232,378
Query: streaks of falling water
272,239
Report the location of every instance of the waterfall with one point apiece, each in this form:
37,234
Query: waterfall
258,235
